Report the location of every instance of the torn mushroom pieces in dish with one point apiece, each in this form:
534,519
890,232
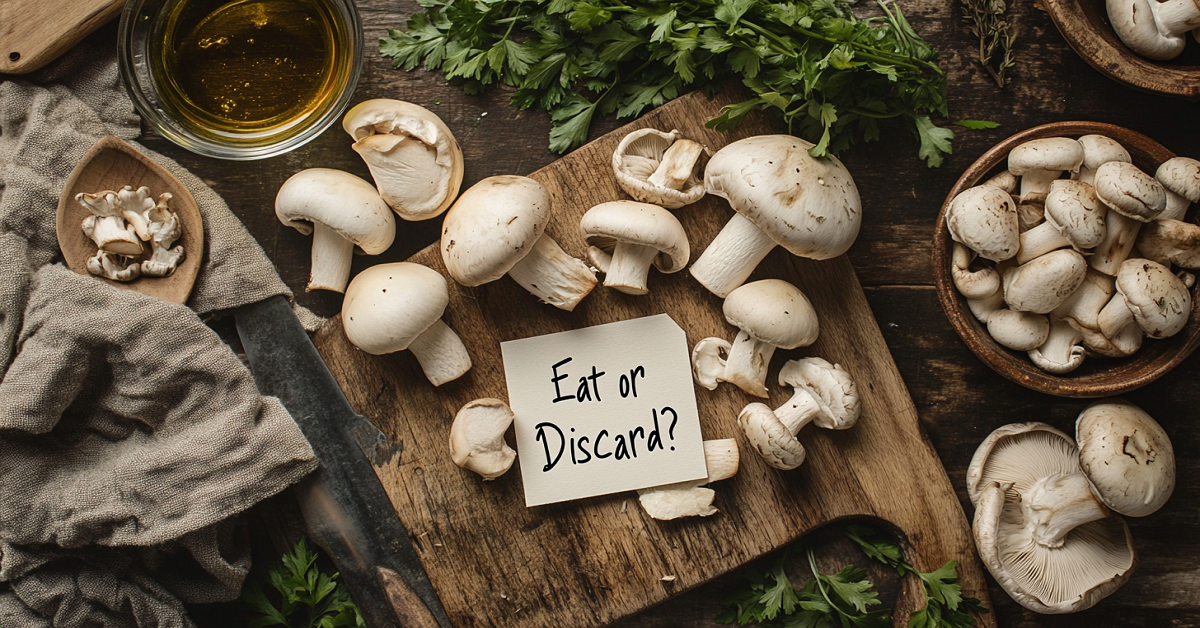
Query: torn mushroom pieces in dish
1075,252
1044,504
120,222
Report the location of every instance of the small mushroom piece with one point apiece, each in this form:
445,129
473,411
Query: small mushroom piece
1074,218
626,237
414,159
497,227
770,314
107,227
1044,283
1180,177
341,211
824,394
1132,198
659,168
1171,242
1151,297
783,197
972,284
984,219
398,306
1099,150
1155,30
1039,531
1040,161
134,205
114,267
477,438
690,499
1126,456
162,225
1019,331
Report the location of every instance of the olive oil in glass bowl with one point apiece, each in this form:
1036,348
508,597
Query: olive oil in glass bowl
240,79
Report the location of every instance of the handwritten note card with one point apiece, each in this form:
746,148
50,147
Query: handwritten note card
604,409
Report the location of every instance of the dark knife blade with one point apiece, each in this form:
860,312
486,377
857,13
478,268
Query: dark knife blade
346,511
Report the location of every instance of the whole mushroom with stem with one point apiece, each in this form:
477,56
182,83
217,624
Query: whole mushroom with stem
1155,30
626,238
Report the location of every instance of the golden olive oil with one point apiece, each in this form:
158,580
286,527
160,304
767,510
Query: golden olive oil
247,68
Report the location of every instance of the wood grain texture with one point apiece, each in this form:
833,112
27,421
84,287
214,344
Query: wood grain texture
589,562
34,32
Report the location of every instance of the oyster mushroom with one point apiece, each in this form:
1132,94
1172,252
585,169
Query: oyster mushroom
163,229
107,226
625,238
659,168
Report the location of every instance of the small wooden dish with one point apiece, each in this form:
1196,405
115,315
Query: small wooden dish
111,164
1085,26
1097,377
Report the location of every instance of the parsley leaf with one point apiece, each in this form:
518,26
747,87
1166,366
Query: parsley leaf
309,598
978,125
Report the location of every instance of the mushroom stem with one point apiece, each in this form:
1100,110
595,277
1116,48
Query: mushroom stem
331,256
677,165
1037,182
732,256
1119,237
1040,240
1057,504
746,366
112,235
1061,353
553,276
798,411
1115,316
441,353
1177,16
629,267
972,284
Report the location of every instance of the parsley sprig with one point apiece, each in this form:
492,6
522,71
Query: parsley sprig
832,77
308,597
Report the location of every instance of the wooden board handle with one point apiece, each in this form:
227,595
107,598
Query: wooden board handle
35,32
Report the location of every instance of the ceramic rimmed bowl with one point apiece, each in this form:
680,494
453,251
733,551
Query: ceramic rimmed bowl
1097,376
1085,26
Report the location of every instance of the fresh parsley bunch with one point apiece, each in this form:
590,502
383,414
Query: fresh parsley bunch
831,76
309,598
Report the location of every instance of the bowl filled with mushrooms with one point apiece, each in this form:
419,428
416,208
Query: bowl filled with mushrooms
1064,257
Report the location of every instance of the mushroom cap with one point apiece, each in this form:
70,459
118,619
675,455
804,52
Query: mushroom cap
769,437
1047,153
1159,300
1020,454
388,305
1073,209
492,226
477,438
638,156
773,311
808,206
1017,330
984,219
418,179
831,387
1171,242
340,201
1180,175
606,224
1043,283
1126,456
1129,191
1101,149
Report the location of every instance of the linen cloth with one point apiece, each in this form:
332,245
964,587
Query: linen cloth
130,433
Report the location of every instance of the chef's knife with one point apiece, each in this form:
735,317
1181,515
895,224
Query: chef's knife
346,510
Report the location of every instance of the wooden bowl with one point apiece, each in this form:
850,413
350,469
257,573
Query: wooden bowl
1098,376
1085,26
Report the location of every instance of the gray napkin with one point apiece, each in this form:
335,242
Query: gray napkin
129,432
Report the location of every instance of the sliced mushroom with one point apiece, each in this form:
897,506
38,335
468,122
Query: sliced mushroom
477,438
690,499
107,226
163,229
659,168
626,237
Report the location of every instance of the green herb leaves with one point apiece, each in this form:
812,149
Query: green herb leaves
310,599
830,76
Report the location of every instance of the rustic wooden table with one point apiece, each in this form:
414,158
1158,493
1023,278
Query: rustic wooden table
959,399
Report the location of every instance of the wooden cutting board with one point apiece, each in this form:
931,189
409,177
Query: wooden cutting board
34,32
495,562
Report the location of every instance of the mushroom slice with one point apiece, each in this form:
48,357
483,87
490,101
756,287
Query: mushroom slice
824,394
398,306
477,438
414,159
770,314
660,168
783,196
497,227
1180,178
1040,533
631,236
163,229
690,499
1126,456
341,211
984,219
114,267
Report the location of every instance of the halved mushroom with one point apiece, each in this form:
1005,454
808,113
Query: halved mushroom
477,438
414,159
107,226
626,237
659,168
691,499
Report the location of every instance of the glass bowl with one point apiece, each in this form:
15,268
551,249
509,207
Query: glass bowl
171,100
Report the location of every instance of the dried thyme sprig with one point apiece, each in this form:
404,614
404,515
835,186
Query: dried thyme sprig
987,21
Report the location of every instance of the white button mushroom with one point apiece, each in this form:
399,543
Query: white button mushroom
1074,217
398,306
1097,151
783,196
1044,283
341,211
1040,161
477,438
1151,297
1126,456
1155,30
659,168
1171,242
824,394
497,227
984,219
1132,198
1020,331
1180,177
625,238
770,314
972,284
691,499
414,159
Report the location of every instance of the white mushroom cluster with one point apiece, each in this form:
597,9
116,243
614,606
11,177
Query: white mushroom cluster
1044,504
120,222
1155,30
1064,268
